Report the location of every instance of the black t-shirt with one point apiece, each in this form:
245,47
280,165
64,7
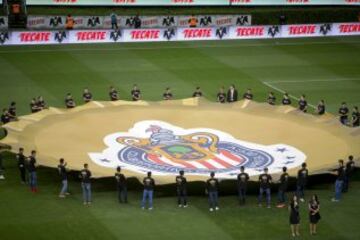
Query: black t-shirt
349,168
5,118
242,180
343,111
40,103
85,176
149,183
321,109
197,94
34,107
120,179
302,176
62,172
32,162
302,105
265,180
356,118
286,101
221,97
12,110
135,94
341,173
180,182
69,102
21,160
248,96
284,179
87,97
113,95
271,100
167,96
212,185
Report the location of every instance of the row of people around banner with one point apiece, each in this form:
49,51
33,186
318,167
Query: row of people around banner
231,95
28,166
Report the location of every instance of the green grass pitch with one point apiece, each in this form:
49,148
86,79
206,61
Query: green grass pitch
322,68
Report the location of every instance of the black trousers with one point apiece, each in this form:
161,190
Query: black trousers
22,174
122,194
182,196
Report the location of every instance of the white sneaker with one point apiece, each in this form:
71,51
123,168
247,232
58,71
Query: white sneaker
334,200
180,205
217,208
143,208
150,208
211,209
2,177
185,206
302,200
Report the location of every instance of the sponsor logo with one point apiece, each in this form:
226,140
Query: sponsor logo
169,33
250,31
274,30
115,35
302,30
325,28
93,21
197,33
242,20
205,21
60,36
166,149
4,36
55,21
221,32
350,28
145,34
35,36
2,21
168,21
91,35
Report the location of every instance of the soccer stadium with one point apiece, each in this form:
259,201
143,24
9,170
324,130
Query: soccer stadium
179,119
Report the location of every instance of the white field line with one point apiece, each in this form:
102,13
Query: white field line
282,91
166,47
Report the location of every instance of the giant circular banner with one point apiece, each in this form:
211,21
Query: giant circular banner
193,135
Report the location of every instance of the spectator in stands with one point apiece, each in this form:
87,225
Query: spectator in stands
321,107
113,19
197,92
193,21
69,101
232,94
167,94
87,96
70,22
271,98
286,99
113,93
248,94
343,113
355,117
221,96
302,104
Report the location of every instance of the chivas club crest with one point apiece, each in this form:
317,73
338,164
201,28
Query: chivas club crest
166,149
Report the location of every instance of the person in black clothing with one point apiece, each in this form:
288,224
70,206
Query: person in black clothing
265,180
167,94
284,179
355,117
137,21
113,93
242,180
87,96
271,98
302,176
135,93
197,92
314,213
248,95
149,184
5,117
340,173
34,107
12,111
181,189
121,186
286,99
232,94
32,171
303,104
212,187
294,216
85,176
343,113
69,101
40,102
349,169
321,107
21,164
64,180
221,96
